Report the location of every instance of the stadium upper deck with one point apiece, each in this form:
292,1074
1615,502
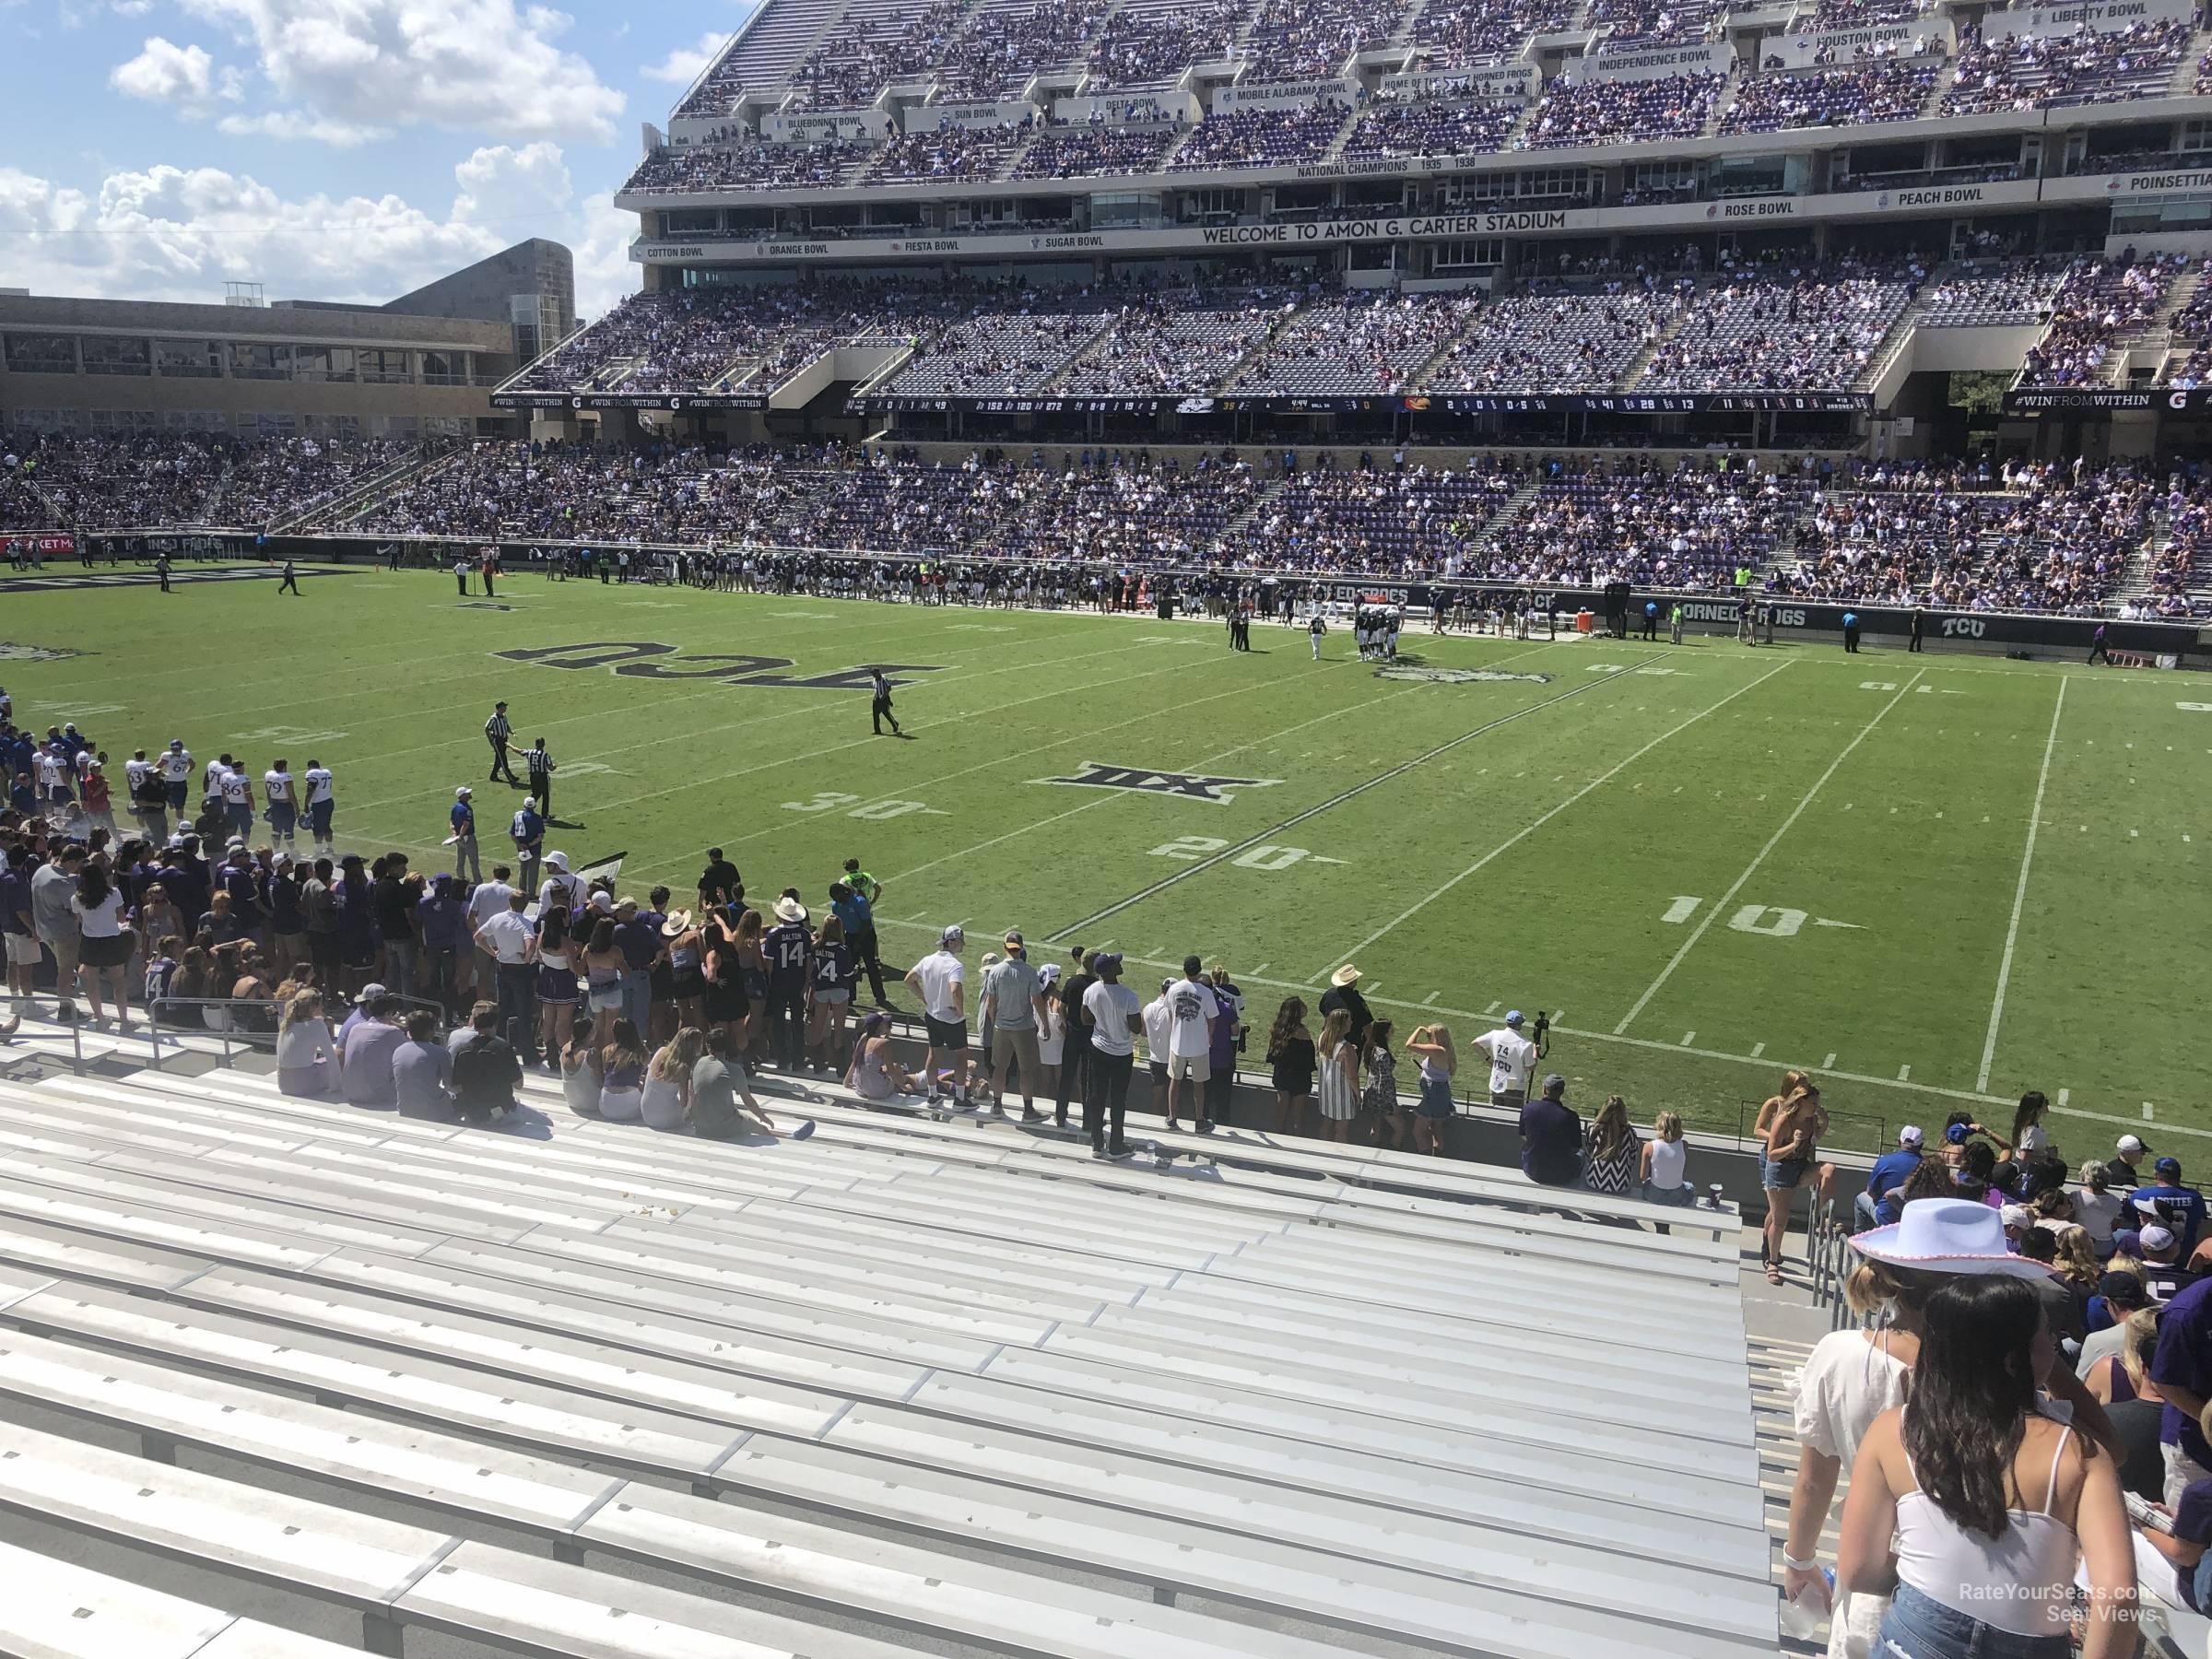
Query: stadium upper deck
983,190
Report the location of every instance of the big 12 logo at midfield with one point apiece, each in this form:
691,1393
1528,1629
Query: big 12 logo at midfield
643,659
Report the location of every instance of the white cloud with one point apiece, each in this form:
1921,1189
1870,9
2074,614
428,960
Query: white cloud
164,71
474,64
682,66
174,233
505,184
293,126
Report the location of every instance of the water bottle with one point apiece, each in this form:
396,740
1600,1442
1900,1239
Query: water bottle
1801,1615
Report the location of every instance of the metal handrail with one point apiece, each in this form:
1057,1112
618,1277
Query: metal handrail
249,1041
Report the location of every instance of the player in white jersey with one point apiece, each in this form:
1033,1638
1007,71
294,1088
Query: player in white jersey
279,792
175,767
211,781
238,802
138,775
53,775
321,803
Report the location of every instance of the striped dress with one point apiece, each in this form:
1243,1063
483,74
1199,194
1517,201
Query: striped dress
1339,1100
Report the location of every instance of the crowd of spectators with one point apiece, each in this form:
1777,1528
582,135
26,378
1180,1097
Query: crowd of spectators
174,479
1887,91
2038,536
2008,295
1084,152
2100,302
1364,519
1621,112
751,164
2191,327
1260,138
1810,331
1655,22
1832,14
1471,33
2181,571
1294,39
969,153
1004,346
1431,129
1689,526
2087,67
1151,42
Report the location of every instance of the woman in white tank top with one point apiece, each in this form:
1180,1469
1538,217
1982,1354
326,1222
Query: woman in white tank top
1988,1499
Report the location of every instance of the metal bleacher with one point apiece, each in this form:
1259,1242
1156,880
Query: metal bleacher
580,1389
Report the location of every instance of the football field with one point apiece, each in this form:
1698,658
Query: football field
1933,880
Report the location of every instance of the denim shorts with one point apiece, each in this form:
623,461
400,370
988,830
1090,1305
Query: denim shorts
1781,1173
1436,1098
1675,1197
1917,1627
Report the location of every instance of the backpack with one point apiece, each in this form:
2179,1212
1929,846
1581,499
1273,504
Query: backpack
480,1071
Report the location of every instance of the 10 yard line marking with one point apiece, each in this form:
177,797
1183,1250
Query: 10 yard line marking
1751,869
1522,834
2019,895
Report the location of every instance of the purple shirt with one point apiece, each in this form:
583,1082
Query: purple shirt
445,923
15,902
639,940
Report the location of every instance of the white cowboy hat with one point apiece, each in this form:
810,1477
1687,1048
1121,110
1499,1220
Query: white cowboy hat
789,910
1948,1235
1344,975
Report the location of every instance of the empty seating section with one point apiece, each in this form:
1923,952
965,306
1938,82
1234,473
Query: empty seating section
1372,523
1812,334
1001,352
1166,343
1470,33
1260,138
1692,527
1292,39
971,1393
1431,129
768,53
2083,67
1568,342
2001,296
1356,344
1890,90
2042,540
2100,302
752,164
1090,151
1621,112
972,154
1149,44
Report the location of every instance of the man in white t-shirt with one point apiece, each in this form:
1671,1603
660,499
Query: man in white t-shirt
940,981
1194,1006
1112,1015
1512,1057
1160,1039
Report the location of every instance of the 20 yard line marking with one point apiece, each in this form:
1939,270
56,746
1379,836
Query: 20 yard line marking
1521,835
1751,869
1338,799
2019,895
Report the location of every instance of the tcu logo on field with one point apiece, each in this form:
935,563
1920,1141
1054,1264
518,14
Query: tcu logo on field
641,659
1097,774
1969,627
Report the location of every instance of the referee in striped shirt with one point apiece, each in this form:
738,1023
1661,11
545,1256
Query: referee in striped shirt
497,733
540,765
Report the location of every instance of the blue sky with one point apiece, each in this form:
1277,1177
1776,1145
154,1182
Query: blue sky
330,149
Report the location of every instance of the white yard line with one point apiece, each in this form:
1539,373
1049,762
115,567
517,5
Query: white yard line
1522,834
2020,895
1751,869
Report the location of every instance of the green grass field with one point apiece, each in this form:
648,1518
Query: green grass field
1933,880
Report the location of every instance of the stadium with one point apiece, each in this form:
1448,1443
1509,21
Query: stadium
1313,826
